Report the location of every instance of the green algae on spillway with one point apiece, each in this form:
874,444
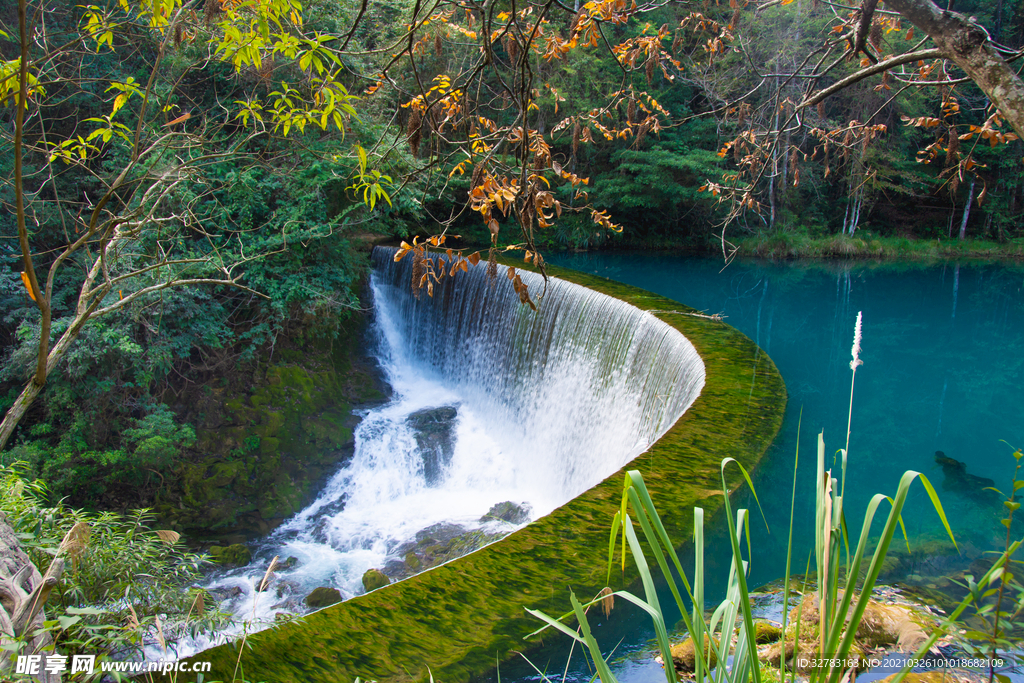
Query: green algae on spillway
459,618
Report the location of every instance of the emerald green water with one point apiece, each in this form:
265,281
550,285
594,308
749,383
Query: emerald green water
943,352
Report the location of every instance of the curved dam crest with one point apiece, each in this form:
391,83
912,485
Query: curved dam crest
570,393
458,618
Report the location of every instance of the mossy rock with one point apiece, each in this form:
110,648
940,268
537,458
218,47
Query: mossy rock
323,597
685,659
513,513
766,632
413,560
922,677
327,429
374,579
236,555
456,617
882,626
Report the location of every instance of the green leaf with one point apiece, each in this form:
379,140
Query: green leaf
68,622
362,158
85,610
554,623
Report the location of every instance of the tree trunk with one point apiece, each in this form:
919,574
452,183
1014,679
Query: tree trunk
23,592
33,388
14,414
967,209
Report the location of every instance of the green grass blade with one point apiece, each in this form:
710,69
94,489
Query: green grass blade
697,629
789,548
937,504
539,672
744,597
651,594
750,484
637,482
616,523
854,572
659,555
554,623
603,670
894,520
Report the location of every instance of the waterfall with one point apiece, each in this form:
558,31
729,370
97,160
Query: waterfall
492,403
575,390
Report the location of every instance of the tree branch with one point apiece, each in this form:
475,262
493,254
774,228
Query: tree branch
869,71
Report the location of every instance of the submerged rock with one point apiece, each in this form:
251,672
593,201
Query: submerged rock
323,597
285,588
513,513
435,436
236,555
374,579
955,477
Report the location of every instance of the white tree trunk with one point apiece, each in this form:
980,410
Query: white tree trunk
967,209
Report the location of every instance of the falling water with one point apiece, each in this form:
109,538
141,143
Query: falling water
492,402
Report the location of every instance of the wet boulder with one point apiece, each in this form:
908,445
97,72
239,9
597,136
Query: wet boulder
685,659
438,533
435,436
236,555
323,597
766,632
882,626
434,545
225,593
374,579
513,513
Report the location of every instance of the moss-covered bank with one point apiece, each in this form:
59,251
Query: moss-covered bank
267,438
786,245
458,618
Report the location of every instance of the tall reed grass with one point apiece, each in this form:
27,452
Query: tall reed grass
845,579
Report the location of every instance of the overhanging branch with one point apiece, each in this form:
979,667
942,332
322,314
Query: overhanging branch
878,68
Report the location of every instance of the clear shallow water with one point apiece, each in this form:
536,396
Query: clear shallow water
943,354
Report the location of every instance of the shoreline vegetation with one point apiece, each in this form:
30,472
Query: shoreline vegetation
784,245
795,245
869,246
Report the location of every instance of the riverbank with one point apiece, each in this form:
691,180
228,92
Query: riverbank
792,245
866,245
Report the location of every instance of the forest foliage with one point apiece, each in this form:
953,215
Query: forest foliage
215,167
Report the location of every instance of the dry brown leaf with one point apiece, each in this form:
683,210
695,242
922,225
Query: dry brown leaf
167,536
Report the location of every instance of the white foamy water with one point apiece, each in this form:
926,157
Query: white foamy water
492,402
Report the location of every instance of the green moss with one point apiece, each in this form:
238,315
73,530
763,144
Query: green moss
459,617
236,555
323,597
766,632
374,579
272,446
